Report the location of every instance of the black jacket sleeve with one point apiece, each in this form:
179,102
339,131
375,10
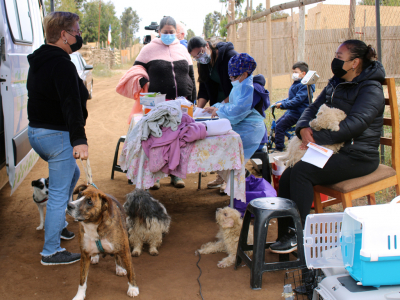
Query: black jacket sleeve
203,91
309,113
68,87
191,74
363,112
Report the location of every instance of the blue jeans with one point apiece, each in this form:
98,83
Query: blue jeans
54,147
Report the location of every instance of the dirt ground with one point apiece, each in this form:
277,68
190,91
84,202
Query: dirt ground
171,275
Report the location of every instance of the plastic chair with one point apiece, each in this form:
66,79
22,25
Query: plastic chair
265,209
266,168
383,177
115,166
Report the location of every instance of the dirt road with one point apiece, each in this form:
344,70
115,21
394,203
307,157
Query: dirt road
171,275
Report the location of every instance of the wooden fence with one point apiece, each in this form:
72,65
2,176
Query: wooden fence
319,51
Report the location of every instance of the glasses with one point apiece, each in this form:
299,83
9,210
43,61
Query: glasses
79,32
201,52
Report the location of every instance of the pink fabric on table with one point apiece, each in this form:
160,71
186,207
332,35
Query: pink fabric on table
129,86
170,152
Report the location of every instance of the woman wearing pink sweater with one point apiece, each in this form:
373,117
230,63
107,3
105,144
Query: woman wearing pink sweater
170,70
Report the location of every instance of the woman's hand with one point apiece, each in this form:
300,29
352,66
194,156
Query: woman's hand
211,110
306,137
81,151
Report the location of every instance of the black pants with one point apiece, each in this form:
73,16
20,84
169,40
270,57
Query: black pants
297,182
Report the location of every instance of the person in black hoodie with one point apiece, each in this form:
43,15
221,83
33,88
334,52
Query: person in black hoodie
215,85
356,89
57,116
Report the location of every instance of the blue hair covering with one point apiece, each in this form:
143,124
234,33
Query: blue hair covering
241,63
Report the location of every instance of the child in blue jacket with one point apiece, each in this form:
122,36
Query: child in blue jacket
295,104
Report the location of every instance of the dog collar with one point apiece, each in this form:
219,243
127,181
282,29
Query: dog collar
44,200
99,246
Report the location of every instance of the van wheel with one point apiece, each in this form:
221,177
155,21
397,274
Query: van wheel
91,90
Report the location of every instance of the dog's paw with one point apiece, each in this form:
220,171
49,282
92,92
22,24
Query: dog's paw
94,260
78,297
153,251
136,253
133,291
120,271
222,265
40,227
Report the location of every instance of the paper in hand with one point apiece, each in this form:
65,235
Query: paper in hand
201,113
317,155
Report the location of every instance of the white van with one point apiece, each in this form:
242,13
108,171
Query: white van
21,32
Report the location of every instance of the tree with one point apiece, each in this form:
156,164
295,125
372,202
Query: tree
279,15
190,34
74,6
212,24
238,3
223,31
129,26
382,2
90,22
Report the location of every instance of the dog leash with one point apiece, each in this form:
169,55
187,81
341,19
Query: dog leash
198,278
88,172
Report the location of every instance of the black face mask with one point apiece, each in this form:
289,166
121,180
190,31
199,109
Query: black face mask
337,67
78,44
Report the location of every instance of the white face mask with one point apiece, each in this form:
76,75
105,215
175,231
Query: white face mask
296,76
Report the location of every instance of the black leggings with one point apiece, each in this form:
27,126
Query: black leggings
297,182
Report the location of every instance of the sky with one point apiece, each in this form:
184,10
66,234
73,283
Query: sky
190,12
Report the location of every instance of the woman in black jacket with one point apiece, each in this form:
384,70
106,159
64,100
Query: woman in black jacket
215,85
356,89
57,117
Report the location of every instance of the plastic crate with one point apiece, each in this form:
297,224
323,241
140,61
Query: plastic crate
370,244
322,241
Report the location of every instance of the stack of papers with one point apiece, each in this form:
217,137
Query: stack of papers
200,113
317,155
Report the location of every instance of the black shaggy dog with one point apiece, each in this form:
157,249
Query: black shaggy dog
147,220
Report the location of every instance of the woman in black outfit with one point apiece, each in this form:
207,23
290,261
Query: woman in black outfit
215,84
356,89
57,117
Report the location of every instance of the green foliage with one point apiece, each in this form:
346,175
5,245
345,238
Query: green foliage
74,6
223,31
190,34
238,3
382,2
212,24
279,15
90,22
259,8
129,26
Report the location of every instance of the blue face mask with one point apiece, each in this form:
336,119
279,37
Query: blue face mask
236,82
168,39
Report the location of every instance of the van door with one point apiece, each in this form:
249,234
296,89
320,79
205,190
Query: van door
21,36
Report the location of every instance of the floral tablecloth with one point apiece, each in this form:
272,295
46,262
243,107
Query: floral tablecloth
214,153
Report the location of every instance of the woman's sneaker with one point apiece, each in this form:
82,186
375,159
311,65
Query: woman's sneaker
217,183
67,235
61,258
287,243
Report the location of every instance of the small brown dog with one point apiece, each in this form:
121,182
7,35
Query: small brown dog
230,225
102,229
327,118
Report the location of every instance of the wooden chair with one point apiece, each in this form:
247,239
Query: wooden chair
344,192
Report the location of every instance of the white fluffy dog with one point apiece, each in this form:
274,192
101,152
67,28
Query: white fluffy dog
327,118
230,225
147,220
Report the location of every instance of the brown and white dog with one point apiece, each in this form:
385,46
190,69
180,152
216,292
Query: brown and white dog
102,229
